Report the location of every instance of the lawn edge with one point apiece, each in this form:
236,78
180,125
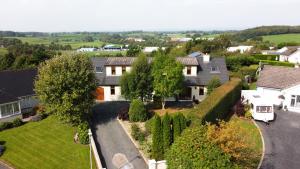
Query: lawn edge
131,139
263,144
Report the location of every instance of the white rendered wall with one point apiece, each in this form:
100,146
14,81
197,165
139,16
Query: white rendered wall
116,97
193,71
287,95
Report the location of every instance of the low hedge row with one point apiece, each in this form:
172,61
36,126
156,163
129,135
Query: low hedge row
265,57
218,104
8,125
277,63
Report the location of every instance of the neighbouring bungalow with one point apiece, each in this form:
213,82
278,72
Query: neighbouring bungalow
152,49
241,49
289,54
16,93
198,71
86,49
279,85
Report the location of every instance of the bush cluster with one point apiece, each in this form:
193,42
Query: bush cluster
220,101
7,125
83,135
137,111
194,150
165,131
137,133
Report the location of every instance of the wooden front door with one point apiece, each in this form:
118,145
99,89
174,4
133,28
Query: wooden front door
100,94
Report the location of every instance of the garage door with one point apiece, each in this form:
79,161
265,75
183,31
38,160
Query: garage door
100,94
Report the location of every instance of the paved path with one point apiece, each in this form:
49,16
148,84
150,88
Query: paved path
2,166
282,141
111,138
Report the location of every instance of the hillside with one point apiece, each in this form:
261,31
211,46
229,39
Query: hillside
277,39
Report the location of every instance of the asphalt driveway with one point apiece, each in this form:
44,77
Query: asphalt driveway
112,141
282,141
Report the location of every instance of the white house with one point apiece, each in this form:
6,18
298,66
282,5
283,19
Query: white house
241,49
281,86
16,93
289,54
86,49
152,49
198,71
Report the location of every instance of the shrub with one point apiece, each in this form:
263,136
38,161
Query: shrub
6,125
167,136
277,63
83,133
249,70
248,114
194,150
17,122
176,126
218,104
231,139
234,63
137,111
213,83
182,120
157,144
136,133
149,125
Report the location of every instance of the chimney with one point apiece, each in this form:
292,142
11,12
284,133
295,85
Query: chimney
206,58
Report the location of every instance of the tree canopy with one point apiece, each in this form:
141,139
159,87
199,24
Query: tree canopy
65,87
138,83
167,76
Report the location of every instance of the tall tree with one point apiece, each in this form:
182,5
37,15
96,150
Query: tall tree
167,77
138,83
65,85
157,144
166,126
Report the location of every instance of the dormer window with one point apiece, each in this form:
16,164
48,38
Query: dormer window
189,70
215,69
113,70
99,69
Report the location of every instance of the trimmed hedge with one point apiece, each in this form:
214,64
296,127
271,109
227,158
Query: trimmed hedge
218,104
137,111
266,57
277,63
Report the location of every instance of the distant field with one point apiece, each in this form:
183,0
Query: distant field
98,53
211,36
3,51
282,38
74,40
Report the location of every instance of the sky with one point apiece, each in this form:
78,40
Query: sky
147,15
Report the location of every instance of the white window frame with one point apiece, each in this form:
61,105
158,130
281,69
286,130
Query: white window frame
14,113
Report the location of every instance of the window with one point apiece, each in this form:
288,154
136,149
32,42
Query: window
16,107
189,70
123,69
215,69
113,70
7,110
295,101
99,69
201,91
112,90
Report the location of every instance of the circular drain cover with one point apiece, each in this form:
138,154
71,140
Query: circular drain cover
120,161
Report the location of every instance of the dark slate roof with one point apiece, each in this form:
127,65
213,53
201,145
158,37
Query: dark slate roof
15,84
278,77
204,74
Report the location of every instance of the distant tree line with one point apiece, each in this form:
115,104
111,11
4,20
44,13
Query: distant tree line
265,30
23,55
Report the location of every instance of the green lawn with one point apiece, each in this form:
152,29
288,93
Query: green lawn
282,38
3,51
47,144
